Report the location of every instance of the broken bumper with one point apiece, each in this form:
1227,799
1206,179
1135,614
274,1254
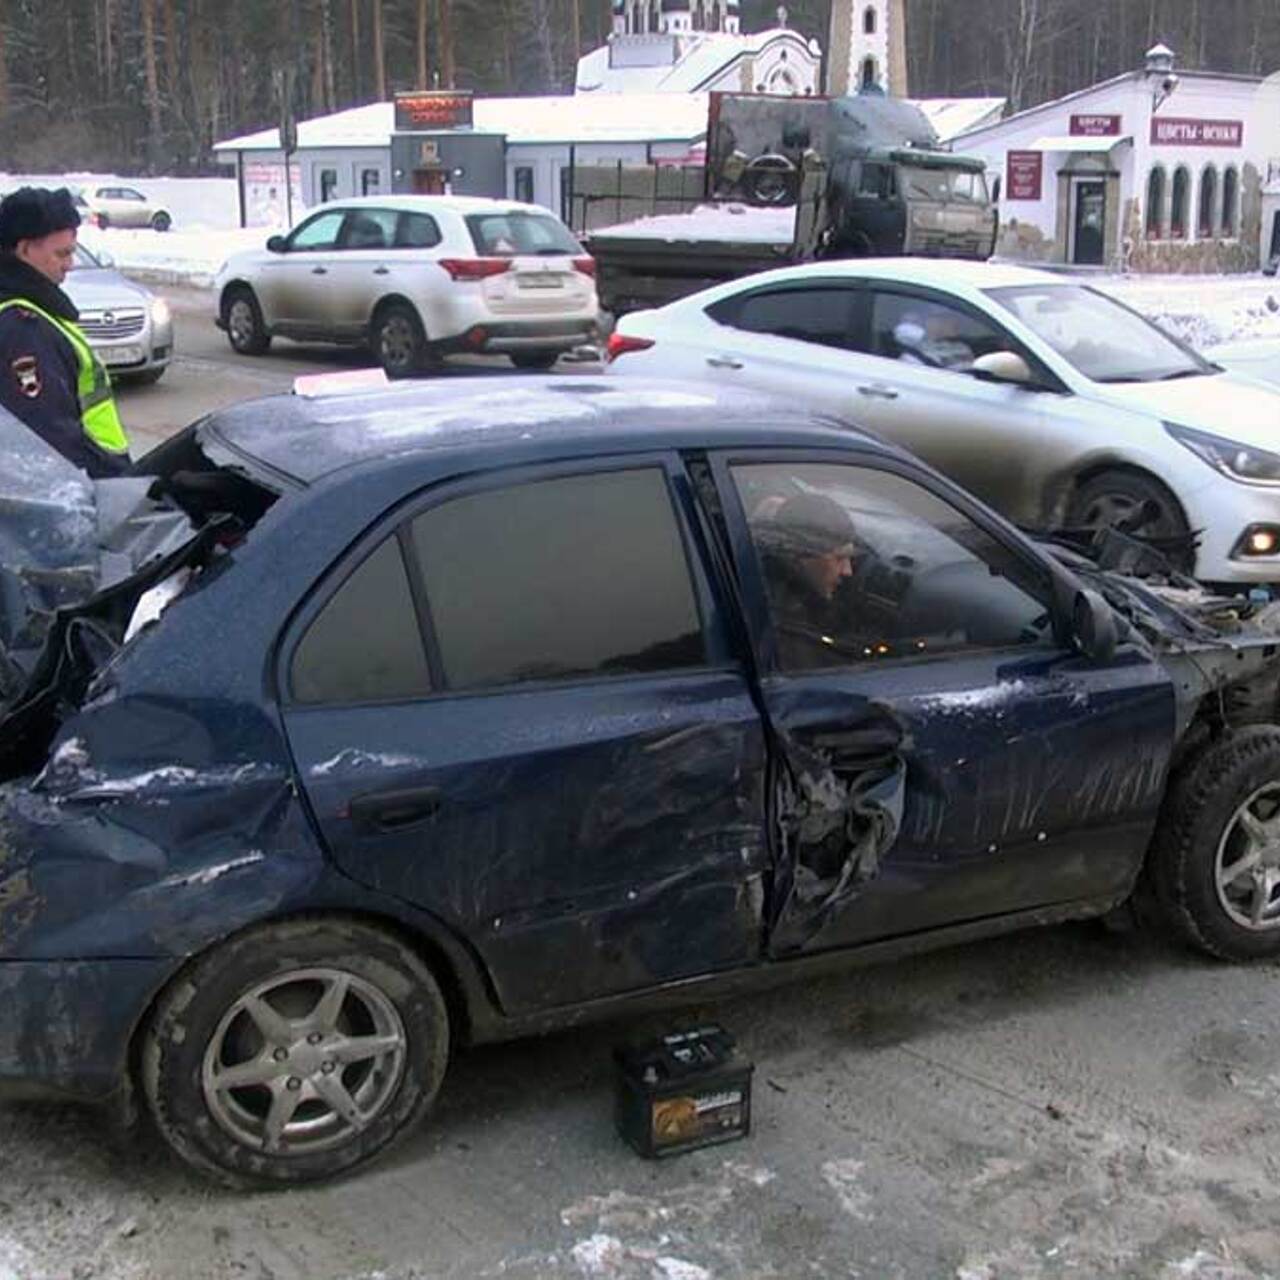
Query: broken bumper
65,1026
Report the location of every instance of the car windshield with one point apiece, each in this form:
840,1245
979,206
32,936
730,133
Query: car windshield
84,260
1101,338
944,184
503,235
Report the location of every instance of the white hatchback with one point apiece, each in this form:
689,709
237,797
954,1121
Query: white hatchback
417,278
1048,399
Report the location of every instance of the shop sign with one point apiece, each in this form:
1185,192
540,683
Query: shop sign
1180,131
436,109
1025,177
1095,126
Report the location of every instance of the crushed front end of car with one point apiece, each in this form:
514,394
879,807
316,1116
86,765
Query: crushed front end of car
87,569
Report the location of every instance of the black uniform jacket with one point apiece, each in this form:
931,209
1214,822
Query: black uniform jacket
39,369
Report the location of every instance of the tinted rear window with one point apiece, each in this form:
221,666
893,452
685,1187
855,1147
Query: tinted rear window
577,576
820,315
503,235
365,645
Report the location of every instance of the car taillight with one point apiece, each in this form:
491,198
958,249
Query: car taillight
585,265
475,268
621,344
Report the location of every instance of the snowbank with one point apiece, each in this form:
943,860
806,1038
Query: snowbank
1203,310
191,202
173,257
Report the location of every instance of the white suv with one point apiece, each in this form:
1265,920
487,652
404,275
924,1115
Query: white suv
417,278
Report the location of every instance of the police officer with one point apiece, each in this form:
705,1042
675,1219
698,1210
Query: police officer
49,376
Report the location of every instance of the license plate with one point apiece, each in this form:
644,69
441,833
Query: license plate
120,355
548,281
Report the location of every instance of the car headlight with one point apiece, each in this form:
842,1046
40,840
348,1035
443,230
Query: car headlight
1243,462
160,313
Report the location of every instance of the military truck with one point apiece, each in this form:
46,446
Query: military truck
784,180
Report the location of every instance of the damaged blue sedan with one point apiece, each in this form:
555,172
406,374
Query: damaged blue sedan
361,727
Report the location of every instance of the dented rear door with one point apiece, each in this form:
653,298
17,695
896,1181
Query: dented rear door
517,711
941,755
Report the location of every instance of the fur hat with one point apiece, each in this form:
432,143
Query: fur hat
30,213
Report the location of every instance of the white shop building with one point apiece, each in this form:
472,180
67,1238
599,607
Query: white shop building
1155,170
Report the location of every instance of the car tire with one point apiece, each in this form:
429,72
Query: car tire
103,222
161,221
1112,496
399,342
539,360
147,378
242,318
1208,888
313,1103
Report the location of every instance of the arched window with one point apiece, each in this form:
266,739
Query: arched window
1178,206
869,73
869,21
1207,223
1230,201
1155,204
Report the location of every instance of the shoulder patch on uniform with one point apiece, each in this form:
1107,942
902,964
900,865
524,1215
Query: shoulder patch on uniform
26,372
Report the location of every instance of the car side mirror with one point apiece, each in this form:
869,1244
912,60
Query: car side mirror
1003,366
1094,627
277,244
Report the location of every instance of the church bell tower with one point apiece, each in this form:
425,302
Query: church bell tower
867,47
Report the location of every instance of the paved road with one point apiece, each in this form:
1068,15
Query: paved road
1065,1103
206,374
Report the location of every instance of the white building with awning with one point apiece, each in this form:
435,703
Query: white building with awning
1155,170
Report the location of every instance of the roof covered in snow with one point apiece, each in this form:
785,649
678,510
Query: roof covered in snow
652,117
953,116
699,58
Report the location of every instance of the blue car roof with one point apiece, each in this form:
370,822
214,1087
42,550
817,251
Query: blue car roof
306,439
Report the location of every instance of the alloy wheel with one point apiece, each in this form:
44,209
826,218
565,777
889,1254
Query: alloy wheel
304,1061
1247,866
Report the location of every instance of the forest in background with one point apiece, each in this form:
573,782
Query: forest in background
147,86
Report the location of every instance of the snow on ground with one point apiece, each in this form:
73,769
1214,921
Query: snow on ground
191,202
174,257
1203,310
712,222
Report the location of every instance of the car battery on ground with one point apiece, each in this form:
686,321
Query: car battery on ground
683,1091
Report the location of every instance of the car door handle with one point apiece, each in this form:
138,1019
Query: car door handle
394,810
878,391
724,362
382,271
319,271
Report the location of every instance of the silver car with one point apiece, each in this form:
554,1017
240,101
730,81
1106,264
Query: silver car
126,207
126,324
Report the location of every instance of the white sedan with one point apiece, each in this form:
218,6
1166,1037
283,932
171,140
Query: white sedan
1047,398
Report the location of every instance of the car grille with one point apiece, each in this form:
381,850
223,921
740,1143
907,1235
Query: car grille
107,326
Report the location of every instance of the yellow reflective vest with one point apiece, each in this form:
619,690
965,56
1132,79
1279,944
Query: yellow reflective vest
98,414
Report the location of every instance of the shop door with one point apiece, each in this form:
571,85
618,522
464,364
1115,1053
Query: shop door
1090,223
428,182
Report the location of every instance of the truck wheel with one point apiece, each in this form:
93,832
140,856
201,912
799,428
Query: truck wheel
400,343
242,318
1215,860
295,1052
771,180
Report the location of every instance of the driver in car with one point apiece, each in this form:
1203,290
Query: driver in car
808,549
933,340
